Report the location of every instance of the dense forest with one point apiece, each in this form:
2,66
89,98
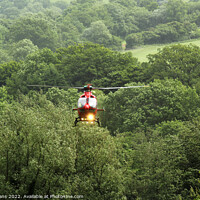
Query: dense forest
148,147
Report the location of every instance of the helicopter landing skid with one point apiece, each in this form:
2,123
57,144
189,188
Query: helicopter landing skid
87,121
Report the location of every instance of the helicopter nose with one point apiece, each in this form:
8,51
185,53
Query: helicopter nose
87,106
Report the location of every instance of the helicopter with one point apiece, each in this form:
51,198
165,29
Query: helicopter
87,106
87,102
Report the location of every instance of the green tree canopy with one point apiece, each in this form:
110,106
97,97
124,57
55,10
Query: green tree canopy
165,157
39,30
93,63
166,100
21,49
177,62
6,71
4,56
4,97
98,33
175,10
149,4
3,32
41,153
37,69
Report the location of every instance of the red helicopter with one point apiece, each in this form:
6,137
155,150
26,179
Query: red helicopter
87,103
87,106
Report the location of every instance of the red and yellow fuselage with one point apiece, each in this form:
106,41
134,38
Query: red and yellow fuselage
87,108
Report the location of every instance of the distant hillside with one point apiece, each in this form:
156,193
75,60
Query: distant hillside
142,51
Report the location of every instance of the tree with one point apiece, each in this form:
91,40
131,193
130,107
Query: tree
125,3
177,62
7,70
37,69
20,4
134,39
163,162
60,96
4,97
150,4
191,142
175,10
37,29
33,165
142,17
4,56
69,66
61,4
21,49
166,128
164,100
188,135
163,33
98,33
41,153
119,21
98,174
3,32
157,163
34,7
71,30
93,63
11,12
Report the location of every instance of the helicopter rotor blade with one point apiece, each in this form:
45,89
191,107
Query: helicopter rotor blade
80,88
58,86
48,86
94,88
115,88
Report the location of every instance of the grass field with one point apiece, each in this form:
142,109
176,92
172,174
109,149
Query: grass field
143,51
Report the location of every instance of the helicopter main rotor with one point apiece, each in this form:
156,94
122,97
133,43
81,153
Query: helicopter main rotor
90,87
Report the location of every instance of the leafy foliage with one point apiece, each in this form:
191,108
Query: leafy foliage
177,62
98,33
6,71
60,23
82,64
38,68
154,155
23,48
39,30
4,97
148,147
42,154
163,101
162,33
